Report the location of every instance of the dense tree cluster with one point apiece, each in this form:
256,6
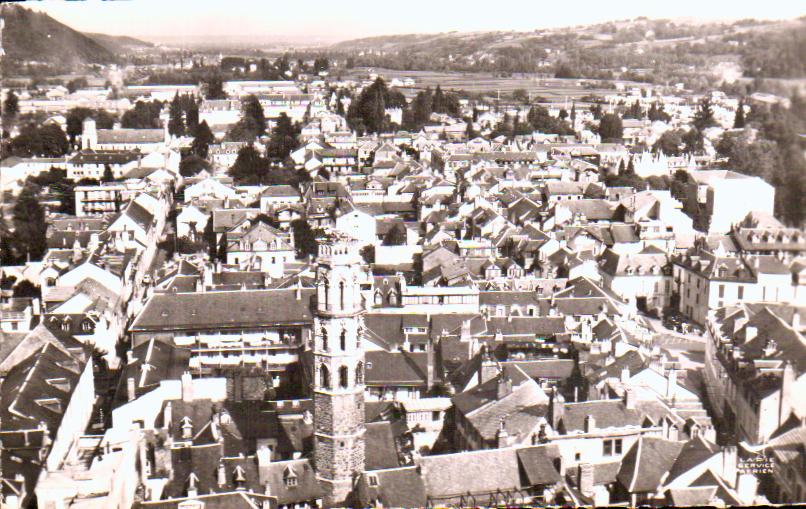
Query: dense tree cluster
540,120
252,123
283,138
183,115
611,127
76,116
773,151
144,115
251,168
367,112
41,141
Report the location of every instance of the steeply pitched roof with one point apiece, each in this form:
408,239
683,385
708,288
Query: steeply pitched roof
647,462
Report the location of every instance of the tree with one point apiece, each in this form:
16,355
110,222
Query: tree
540,120
739,120
30,227
214,87
76,116
108,176
11,108
656,113
176,120
304,238
704,116
610,127
76,83
46,141
520,95
693,141
144,115
283,139
470,133
192,165
396,236
670,143
202,139
249,167
251,108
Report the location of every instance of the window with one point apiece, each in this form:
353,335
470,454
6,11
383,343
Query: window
613,447
577,456
343,340
741,293
721,291
435,415
341,294
343,381
324,338
372,480
359,374
86,326
324,376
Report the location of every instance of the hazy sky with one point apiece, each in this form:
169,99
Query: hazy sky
345,19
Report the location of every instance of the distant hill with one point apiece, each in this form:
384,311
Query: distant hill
118,43
663,49
30,35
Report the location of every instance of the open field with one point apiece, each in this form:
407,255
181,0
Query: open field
553,89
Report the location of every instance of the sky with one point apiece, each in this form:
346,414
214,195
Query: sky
348,19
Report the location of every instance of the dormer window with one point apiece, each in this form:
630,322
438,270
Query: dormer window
290,478
52,404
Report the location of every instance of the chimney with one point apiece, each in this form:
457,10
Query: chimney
167,415
586,479
625,375
222,475
192,490
557,408
263,454
502,437
730,458
131,393
298,291
187,427
674,433
671,383
590,424
504,386
629,399
187,386
747,488
559,464
465,332
430,361
787,385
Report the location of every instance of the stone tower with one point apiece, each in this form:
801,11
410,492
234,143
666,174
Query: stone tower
89,134
338,388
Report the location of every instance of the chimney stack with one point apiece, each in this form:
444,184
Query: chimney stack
590,424
629,399
222,475
502,437
557,407
671,383
730,458
187,386
131,393
504,385
586,479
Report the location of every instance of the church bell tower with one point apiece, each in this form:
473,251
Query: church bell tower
338,388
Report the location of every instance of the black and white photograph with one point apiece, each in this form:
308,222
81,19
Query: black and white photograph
434,254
